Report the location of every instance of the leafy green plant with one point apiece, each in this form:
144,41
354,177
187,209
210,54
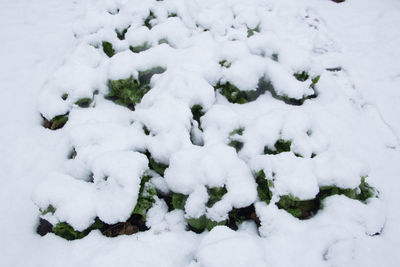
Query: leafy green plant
108,48
179,201
149,18
237,144
72,154
202,223
250,32
55,123
49,209
140,48
146,198
280,146
66,231
304,209
235,95
129,92
158,167
64,96
263,186
84,102
314,81
238,216
215,194
224,63
163,41
301,76
365,190
172,15
146,130
197,113
121,34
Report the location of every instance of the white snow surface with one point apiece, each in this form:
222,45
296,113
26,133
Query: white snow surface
54,47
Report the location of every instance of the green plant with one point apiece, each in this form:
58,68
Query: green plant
179,201
163,41
365,190
224,63
215,194
158,167
235,95
172,15
129,92
56,122
84,102
238,216
66,231
237,144
72,154
202,223
149,18
146,198
250,32
263,186
121,34
146,130
301,76
304,209
197,113
280,146
49,209
140,48
108,48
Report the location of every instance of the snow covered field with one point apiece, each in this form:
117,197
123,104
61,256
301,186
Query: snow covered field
325,115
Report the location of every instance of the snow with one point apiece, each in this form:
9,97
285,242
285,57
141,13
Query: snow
54,47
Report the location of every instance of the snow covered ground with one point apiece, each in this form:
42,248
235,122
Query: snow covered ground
353,127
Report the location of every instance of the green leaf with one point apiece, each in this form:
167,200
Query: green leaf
280,146
237,145
250,32
128,92
301,76
235,95
179,201
197,113
263,187
302,209
121,34
84,102
55,123
315,80
146,198
202,223
108,48
366,191
140,48
147,21
266,85
237,131
172,15
146,130
49,209
66,231
158,167
215,194
224,63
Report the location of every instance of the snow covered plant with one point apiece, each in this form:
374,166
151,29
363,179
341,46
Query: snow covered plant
174,120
